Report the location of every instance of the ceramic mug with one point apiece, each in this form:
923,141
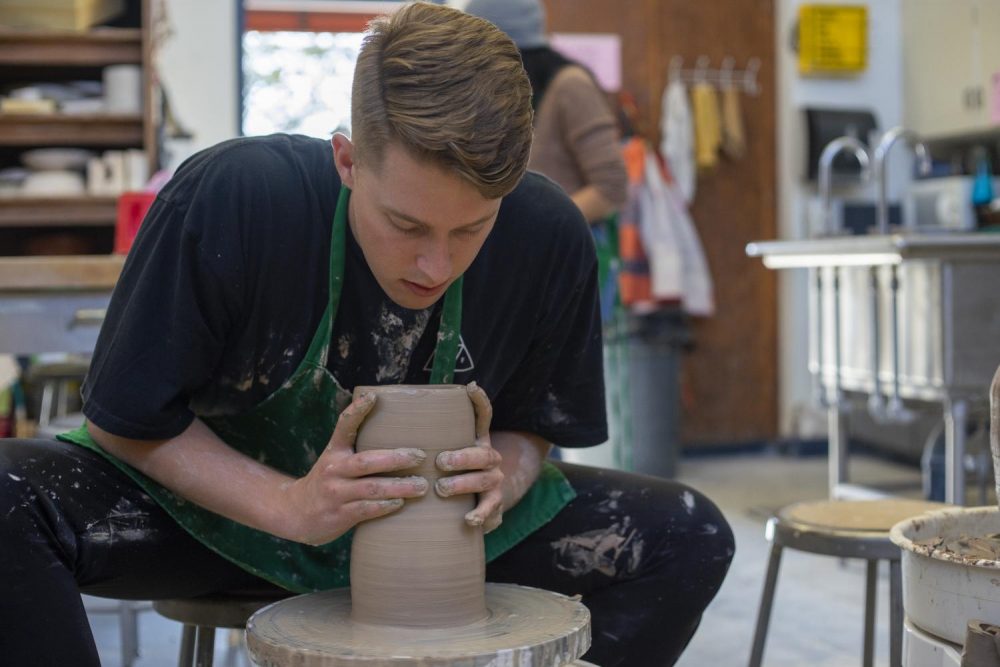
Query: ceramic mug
123,89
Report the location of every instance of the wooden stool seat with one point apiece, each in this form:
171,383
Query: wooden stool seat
203,614
845,529
857,515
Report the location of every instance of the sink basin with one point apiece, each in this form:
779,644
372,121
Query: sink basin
874,250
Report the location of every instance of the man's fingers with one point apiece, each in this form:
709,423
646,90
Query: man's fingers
469,458
488,512
376,461
349,421
385,488
361,510
474,482
484,410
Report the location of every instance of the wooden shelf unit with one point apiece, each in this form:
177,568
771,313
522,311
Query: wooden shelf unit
30,130
37,56
97,48
58,211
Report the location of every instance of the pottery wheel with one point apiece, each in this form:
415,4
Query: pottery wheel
527,627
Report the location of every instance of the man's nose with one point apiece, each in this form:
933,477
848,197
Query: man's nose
435,262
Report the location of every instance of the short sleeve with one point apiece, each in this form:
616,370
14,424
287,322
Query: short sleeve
169,316
557,389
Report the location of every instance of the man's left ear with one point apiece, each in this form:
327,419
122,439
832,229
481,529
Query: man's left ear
343,158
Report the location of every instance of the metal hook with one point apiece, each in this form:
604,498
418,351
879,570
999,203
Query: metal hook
700,69
750,76
676,67
726,73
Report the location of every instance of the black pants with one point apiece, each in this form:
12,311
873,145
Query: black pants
647,555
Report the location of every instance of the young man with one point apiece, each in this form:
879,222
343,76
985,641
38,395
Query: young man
271,277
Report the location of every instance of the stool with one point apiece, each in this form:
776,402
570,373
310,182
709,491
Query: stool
846,529
202,615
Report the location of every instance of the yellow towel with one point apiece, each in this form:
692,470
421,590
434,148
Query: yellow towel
734,142
707,126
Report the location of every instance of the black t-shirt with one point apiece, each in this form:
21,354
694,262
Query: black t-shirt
228,278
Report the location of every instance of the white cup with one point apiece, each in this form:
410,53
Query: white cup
123,89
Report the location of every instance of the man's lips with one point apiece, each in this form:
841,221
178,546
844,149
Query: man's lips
423,290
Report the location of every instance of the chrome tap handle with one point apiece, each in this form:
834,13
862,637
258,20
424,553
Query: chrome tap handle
826,158
879,165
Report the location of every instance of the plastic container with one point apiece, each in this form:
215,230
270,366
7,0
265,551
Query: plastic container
656,344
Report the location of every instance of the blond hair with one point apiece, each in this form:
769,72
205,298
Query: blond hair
448,87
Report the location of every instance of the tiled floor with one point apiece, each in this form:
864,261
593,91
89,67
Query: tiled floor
817,618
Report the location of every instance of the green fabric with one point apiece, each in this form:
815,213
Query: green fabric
606,246
288,431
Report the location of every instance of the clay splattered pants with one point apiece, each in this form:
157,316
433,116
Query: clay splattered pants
646,554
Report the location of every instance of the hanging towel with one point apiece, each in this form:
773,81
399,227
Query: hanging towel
734,142
677,263
677,130
707,125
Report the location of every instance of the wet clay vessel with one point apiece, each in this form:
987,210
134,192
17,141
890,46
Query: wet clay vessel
423,565
418,597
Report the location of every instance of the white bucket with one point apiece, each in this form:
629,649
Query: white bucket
942,591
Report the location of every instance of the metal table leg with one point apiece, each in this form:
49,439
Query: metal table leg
837,448
956,416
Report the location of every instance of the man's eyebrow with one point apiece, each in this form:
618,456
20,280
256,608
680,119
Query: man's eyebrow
416,221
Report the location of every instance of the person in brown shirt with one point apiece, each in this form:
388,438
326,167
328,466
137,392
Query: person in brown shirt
576,139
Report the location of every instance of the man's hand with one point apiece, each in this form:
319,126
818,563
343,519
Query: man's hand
339,491
487,478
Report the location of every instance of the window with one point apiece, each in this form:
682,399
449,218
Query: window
298,82
298,63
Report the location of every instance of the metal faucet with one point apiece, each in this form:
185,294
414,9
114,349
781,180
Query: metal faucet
885,145
894,410
830,152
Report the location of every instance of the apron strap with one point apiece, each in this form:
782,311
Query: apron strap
449,335
319,348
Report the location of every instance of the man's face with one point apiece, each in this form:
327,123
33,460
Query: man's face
418,225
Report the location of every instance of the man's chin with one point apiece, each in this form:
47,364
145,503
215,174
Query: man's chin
406,299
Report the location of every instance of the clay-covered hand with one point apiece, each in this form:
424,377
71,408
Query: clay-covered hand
482,462
339,491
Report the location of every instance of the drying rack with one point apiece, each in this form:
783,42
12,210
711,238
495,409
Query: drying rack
724,77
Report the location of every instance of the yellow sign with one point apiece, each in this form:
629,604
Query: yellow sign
833,39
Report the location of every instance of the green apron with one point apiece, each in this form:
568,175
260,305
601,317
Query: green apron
290,428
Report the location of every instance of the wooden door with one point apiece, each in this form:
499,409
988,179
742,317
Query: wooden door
730,378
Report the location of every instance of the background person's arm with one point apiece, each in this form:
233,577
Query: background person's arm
594,206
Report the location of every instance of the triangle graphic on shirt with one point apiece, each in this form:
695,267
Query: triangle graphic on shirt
463,361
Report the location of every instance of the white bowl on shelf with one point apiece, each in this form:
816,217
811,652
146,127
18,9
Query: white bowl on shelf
56,159
55,183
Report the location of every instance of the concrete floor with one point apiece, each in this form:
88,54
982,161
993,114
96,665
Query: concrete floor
817,617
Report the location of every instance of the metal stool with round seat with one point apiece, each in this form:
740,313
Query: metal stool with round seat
845,529
202,615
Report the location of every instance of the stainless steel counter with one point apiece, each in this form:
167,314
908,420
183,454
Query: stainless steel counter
894,317
875,250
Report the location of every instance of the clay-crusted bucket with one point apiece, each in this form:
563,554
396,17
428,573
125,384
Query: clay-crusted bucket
995,427
943,591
